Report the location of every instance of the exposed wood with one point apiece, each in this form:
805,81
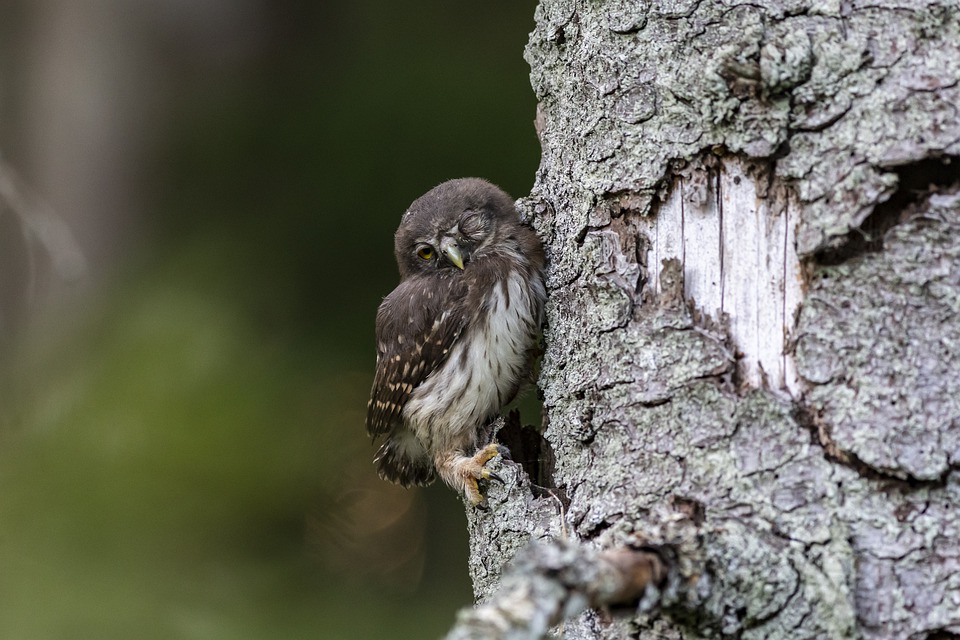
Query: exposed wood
740,265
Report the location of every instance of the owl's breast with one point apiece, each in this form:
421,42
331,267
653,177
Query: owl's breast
485,368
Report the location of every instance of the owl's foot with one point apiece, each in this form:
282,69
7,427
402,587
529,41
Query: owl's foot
464,473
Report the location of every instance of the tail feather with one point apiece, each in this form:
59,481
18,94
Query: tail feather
403,460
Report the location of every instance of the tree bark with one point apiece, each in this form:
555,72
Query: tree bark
751,213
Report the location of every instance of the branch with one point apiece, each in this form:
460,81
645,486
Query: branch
721,577
550,581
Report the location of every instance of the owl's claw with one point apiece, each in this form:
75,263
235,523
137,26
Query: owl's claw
468,472
490,475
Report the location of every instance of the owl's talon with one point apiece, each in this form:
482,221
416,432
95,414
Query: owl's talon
488,453
490,475
468,472
472,491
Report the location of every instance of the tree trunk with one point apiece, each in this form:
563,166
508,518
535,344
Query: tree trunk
751,217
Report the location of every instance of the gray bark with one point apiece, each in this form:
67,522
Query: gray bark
815,447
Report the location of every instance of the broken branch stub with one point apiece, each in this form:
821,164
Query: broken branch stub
550,581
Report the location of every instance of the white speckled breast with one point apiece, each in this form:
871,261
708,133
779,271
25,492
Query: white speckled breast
482,372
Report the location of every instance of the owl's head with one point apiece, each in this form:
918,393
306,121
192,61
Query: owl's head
444,228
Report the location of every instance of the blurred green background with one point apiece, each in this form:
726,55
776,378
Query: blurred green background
182,449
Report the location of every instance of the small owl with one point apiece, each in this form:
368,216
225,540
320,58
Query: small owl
455,338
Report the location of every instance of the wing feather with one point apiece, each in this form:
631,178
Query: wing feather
417,325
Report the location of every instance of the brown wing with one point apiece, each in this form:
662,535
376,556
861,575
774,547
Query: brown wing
417,325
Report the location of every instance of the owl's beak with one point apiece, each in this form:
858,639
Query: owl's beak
452,251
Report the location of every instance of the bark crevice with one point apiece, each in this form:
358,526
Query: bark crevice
808,418
531,451
916,182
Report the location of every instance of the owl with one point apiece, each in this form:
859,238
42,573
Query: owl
455,338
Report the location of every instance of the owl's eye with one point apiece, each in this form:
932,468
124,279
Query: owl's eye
426,253
473,225
469,223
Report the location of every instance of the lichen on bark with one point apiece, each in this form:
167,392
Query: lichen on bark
829,512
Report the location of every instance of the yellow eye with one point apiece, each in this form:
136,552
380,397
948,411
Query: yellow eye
426,253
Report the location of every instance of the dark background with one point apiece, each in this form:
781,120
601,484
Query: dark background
182,449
